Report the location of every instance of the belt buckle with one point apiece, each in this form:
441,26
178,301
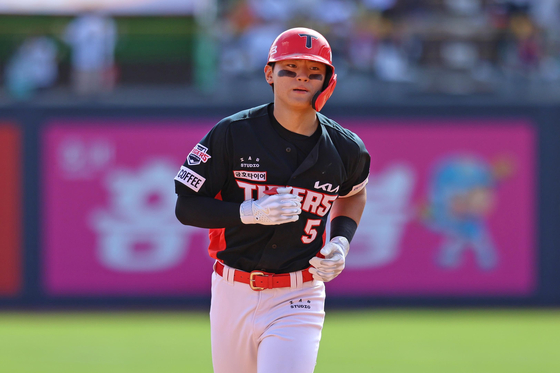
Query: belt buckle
252,280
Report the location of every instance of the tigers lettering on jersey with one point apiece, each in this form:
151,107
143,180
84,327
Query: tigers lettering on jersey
190,178
312,202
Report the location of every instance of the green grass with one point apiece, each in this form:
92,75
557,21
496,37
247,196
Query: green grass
465,341
384,341
105,343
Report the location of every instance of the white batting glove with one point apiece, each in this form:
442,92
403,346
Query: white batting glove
335,256
274,209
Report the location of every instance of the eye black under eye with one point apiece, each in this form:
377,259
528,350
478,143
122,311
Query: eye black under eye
288,73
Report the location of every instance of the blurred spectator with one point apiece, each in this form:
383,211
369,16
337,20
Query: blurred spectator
546,14
92,38
528,42
378,44
361,48
334,19
250,27
33,66
532,43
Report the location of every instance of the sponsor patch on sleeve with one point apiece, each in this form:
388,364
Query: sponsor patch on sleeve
190,178
250,175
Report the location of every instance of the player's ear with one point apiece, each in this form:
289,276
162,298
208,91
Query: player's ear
268,74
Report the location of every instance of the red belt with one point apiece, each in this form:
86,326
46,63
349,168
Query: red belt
258,280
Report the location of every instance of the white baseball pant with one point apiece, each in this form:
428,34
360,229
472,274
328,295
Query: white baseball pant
270,331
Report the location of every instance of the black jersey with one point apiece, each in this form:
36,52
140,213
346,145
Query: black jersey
242,156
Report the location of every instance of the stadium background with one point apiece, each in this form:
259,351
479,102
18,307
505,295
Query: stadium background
88,241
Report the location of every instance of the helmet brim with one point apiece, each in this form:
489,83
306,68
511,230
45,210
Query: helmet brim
302,56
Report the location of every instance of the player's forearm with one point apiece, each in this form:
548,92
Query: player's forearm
352,207
205,212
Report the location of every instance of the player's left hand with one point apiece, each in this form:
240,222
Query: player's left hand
326,269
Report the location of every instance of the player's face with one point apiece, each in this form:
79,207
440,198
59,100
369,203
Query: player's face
296,81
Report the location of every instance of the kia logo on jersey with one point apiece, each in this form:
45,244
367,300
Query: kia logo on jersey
327,187
197,155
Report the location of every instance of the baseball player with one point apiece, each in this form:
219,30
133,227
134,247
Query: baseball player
264,181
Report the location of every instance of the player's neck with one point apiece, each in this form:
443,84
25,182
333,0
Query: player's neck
304,122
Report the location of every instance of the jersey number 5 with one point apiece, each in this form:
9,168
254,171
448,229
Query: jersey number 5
311,232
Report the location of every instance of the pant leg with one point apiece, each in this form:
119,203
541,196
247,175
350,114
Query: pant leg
290,341
232,311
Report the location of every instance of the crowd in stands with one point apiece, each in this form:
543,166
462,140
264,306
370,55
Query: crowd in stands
473,43
403,40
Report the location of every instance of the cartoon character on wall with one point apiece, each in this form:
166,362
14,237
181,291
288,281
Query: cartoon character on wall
461,197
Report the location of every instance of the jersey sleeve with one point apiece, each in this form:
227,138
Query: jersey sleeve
357,168
205,170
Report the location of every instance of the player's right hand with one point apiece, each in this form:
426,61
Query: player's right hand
280,208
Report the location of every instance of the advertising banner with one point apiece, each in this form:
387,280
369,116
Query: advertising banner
10,210
450,210
109,223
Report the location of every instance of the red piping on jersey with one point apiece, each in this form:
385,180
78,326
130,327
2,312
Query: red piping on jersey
217,237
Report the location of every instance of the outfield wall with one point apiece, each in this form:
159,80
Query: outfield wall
87,201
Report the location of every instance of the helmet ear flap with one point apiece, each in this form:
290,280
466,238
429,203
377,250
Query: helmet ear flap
321,97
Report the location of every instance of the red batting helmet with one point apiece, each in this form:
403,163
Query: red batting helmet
305,44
